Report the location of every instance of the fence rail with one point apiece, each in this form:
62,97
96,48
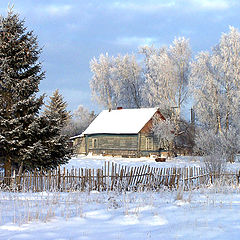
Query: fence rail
113,176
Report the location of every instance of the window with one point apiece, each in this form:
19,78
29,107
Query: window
94,143
149,143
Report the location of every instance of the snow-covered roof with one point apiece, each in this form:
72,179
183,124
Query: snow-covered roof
76,136
123,121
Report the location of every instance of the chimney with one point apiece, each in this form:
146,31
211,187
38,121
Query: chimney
119,108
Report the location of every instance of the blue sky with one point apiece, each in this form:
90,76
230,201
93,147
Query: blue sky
72,32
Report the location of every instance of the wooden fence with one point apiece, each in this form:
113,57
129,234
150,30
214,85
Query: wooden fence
113,177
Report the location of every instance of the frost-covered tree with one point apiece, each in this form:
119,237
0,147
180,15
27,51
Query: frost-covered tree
215,85
167,75
20,75
165,133
167,71
80,120
128,81
57,106
101,84
217,147
207,93
117,81
171,138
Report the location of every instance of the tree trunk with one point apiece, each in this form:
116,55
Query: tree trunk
20,170
219,128
231,158
7,170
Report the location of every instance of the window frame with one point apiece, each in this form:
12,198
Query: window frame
149,143
94,143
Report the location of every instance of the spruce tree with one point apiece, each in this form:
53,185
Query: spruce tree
54,144
20,75
57,106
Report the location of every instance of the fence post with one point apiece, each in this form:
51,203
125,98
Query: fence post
59,178
18,181
90,180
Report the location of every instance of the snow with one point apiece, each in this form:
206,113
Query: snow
211,212
201,214
128,121
97,162
77,136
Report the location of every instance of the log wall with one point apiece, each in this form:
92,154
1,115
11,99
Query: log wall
123,145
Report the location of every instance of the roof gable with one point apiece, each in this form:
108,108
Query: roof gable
123,121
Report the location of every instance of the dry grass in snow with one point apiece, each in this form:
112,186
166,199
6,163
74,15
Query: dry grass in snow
208,213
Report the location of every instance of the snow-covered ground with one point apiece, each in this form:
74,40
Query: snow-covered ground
201,214
206,213
90,161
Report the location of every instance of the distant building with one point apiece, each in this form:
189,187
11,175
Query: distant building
121,132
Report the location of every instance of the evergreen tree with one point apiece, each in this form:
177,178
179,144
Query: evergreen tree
57,106
20,75
55,149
